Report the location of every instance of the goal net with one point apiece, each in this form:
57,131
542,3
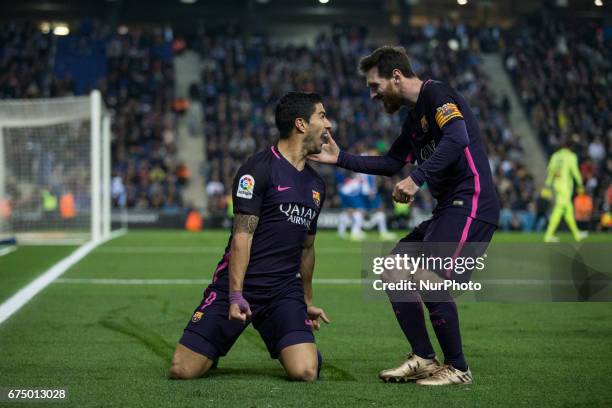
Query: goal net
55,169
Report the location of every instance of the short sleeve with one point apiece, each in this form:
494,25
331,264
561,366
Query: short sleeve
313,225
249,188
443,103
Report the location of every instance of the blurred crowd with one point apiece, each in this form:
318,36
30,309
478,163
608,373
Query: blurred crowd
562,69
243,79
562,76
138,89
26,69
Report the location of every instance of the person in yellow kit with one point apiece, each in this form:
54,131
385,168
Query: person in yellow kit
562,173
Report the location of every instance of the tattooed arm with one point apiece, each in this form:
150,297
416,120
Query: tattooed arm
242,238
248,192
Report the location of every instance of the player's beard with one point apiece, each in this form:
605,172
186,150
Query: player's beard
392,100
312,144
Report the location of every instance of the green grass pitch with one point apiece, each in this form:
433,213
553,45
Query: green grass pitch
110,345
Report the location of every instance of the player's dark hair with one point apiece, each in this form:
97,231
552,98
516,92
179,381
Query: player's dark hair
386,59
292,106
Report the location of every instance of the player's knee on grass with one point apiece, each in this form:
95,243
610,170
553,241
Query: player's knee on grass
301,362
187,364
306,371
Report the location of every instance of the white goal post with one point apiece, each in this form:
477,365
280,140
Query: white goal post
55,169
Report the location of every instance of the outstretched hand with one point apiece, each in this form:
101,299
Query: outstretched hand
329,152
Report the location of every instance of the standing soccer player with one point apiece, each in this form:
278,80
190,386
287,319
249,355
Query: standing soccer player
562,172
373,204
277,199
352,205
441,133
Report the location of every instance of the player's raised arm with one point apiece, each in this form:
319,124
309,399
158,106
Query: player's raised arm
377,165
452,144
454,140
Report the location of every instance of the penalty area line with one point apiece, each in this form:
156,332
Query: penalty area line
328,281
24,295
203,250
104,281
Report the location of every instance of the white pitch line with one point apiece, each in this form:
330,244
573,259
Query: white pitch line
6,251
19,299
52,242
199,250
330,281
103,281
160,250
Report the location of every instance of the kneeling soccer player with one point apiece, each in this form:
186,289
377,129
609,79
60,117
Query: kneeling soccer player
277,198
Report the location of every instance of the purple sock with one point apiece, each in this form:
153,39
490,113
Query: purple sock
411,319
445,321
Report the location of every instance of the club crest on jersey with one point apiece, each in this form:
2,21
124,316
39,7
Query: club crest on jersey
424,124
316,197
197,316
246,184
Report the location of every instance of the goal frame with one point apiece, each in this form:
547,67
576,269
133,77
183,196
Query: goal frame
100,153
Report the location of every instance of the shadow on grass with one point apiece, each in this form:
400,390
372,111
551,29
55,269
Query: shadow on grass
151,340
276,373
164,349
329,372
